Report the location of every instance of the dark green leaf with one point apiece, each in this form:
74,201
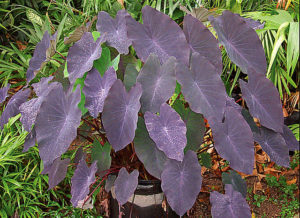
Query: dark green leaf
101,154
236,181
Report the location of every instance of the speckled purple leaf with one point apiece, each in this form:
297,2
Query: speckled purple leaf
290,139
234,141
96,89
125,185
147,152
202,87
274,145
30,140
181,182
242,43
115,30
57,122
40,55
254,24
158,82
3,93
57,172
168,131
230,205
120,114
158,34
82,55
82,179
30,109
109,182
12,107
201,40
263,101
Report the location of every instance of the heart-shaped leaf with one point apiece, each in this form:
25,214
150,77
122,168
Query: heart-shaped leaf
12,107
57,172
82,179
260,93
3,93
231,204
30,140
115,30
290,139
202,87
242,44
234,141
125,185
120,114
82,55
101,154
181,182
158,34
147,152
96,89
56,123
158,82
238,184
168,131
201,40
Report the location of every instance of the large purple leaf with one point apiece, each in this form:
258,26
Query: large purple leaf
168,131
115,30
82,179
96,89
30,140
231,103
234,141
56,123
242,44
254,24
57,172
30,109
147,152
274,145
201,40
158,82
12,107
158,34
290,139
125,185
82,55
232,204
202,87
41,54
181,182
120,114
3,93
263,101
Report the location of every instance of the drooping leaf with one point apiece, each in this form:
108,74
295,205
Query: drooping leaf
96,89
30,140
3,93
29,109
120,114
115,30
181,182
83,177
194,124
290,139
158,82
201,40
274,145
158,34
43,51
78,33
231,204
233,140
263,101
168,131
242,44
130,76
202,88
80,155
109,182
82,55
125,185
12,107
238,184
57,172
247,116
56,123
147,152
101,154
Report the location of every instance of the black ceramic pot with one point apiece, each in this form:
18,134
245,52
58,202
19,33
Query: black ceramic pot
145,203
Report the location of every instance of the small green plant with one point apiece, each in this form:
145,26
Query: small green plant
258,200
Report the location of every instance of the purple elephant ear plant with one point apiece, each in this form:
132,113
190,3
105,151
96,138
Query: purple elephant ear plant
139,121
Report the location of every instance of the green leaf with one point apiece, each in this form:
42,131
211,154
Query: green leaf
115,63
101,154
96,35
292,47
236,181
103,62
80,81
131,74
61,26
205,159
